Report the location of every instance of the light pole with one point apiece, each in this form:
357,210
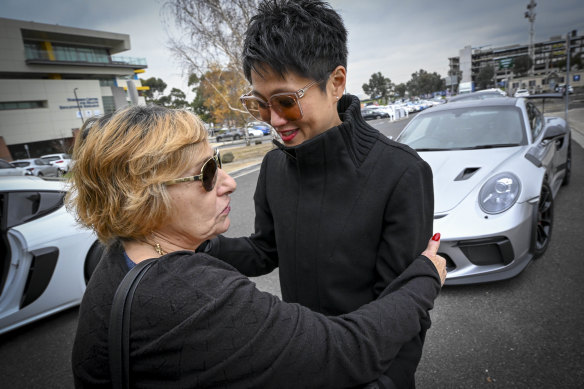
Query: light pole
530,15
78,107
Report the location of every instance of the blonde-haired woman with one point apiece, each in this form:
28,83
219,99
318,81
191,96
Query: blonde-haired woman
149,184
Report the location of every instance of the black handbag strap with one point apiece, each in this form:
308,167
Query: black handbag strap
119,326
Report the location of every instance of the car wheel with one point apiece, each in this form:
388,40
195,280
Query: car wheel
543,222
218,139
92,259
566,179
377,117
236,137
60,173
40,174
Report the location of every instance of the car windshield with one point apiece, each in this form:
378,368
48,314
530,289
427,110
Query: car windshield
49,159
465,128
20,164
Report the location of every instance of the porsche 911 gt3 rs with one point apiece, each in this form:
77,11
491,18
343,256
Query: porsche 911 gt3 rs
498,165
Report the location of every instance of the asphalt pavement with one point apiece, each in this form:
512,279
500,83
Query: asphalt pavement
576,122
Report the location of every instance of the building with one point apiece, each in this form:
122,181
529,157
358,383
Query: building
52,78
549,65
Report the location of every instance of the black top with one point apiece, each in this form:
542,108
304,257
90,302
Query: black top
342,215
197,322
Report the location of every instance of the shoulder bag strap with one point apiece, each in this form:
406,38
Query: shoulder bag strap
119,325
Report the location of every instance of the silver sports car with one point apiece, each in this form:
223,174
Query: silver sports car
498,165
46,258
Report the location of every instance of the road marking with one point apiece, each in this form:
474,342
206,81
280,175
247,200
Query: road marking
245,171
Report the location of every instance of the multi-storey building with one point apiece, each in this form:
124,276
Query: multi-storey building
549,64
53,78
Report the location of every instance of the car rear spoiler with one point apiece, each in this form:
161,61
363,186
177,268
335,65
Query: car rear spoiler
544,96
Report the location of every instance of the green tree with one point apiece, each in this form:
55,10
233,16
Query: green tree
400,90
521,65
157,87
178,98
378,87
485,76
423,83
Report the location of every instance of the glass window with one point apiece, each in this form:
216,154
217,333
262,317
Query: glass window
8,105
535,119
5,165
109,105
465,128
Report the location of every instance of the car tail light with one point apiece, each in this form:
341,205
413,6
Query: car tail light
60,161
30,169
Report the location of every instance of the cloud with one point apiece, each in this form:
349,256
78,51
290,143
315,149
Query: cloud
391,37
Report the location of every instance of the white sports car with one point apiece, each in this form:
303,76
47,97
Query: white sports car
46,258
498,165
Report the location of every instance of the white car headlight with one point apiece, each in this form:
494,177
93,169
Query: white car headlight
499,193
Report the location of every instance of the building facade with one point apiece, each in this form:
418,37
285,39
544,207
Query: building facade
549,64
53,78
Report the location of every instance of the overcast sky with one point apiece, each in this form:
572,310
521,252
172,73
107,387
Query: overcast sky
396,38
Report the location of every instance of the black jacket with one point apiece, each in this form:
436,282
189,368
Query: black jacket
342,215
196,323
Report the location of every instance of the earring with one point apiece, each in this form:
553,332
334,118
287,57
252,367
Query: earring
337,97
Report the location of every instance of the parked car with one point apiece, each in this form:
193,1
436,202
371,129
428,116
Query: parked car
264,127
254,132
371,113
47,258
479,95
521,93
230,134
498,165
8,169
62,161
38,167
561,88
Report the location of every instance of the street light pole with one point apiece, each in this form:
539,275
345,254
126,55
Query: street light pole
530,14
567,83
78,106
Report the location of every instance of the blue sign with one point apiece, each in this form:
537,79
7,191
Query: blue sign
576,77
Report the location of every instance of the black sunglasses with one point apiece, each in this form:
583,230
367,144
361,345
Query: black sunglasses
208,174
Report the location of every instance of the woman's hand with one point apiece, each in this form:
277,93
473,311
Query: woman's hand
431,253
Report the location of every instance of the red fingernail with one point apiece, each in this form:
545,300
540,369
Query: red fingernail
436,236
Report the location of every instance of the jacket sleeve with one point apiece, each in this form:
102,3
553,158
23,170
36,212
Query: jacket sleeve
259,338
407,229
255,255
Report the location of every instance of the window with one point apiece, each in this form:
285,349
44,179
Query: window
107,82
109,106
535,119
8,105
5,165
66,53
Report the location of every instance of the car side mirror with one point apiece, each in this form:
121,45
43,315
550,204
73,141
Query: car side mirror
554,132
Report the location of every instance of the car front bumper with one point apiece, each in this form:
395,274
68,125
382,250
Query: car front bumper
486,249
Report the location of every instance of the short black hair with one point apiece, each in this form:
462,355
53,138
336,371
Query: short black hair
306,37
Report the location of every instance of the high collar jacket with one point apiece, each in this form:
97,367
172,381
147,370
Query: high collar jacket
341,215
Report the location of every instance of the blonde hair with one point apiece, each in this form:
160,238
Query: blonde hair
121,163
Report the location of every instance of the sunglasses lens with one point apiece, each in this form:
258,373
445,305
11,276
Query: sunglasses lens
257,109
209,173
287,107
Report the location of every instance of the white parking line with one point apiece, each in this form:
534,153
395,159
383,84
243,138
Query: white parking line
244,171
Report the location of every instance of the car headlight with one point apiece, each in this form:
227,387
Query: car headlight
499,193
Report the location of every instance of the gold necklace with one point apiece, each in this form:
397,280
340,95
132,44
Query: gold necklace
159,249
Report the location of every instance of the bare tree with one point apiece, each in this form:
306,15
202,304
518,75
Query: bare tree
211,35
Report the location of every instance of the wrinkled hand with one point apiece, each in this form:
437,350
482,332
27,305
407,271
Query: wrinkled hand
439,262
